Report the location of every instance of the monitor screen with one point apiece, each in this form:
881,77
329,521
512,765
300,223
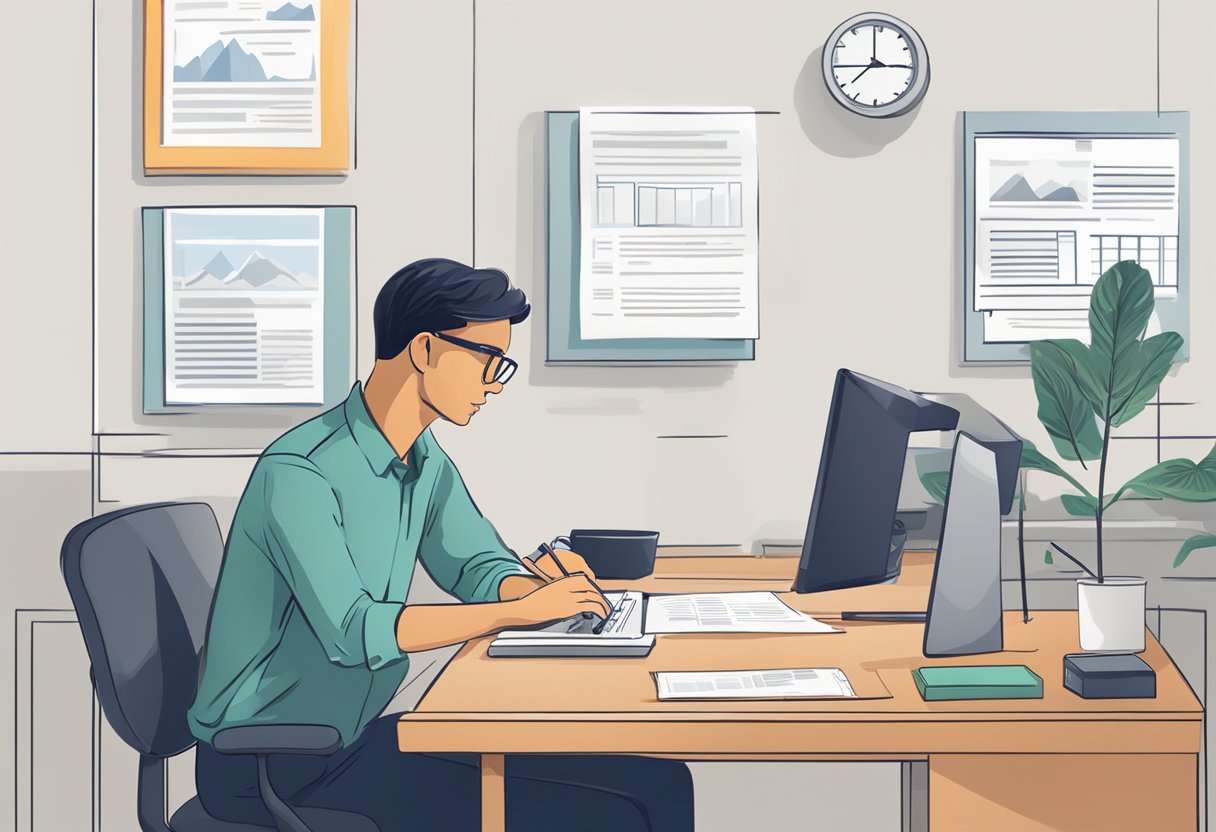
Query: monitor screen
852,522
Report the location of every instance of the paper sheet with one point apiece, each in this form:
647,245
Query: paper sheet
727,612
669,221
242,73
244,305
1054,212
754,684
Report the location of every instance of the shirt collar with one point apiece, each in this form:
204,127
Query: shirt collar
372,441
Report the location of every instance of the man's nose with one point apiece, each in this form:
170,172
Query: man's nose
493,387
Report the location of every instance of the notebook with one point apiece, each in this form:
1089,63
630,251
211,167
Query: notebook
1000,681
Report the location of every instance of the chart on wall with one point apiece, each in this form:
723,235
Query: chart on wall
669,223
247,305
1050,210
242,73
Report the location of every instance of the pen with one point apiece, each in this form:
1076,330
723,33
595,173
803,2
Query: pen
544,547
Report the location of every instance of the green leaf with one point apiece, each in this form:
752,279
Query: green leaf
1033,460
1047,558
1064,408
1152,361
936,483
1119,310
1178,479
1080,361
1079,506
1199,541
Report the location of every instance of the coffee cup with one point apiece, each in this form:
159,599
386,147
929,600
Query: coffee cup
619,554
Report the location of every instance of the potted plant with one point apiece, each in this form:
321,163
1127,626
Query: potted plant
1083,393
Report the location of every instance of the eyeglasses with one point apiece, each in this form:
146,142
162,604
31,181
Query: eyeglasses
498,369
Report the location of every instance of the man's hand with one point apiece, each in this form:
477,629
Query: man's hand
560,599
572,561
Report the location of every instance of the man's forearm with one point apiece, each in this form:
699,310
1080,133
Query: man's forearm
427,626
517,586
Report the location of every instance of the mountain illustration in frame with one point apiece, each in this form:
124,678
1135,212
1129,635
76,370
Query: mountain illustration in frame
221,63
257,272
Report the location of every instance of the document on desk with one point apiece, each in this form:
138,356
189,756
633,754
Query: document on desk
669,210
804,682
728,612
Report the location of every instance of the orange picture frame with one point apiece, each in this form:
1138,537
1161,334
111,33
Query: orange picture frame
333,156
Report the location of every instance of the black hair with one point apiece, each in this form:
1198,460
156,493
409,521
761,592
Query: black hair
437,294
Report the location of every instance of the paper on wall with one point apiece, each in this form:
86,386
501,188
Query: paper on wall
1054,212
669,218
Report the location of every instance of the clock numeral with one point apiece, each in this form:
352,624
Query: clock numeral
854,31
875,102
839,45
881,29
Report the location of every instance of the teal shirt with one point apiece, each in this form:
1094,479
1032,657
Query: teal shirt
317,567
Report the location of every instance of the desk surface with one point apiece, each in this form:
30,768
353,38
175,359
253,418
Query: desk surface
610,705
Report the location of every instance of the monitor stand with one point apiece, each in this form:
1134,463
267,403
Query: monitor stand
964,616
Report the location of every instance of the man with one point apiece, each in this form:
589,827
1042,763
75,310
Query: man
308,624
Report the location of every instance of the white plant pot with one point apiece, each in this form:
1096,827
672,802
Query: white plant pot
1111,614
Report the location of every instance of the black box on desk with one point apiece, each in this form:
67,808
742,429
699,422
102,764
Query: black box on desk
1109,676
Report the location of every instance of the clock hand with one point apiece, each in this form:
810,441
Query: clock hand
863,72
874,49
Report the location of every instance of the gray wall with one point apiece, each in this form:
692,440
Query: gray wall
450,152
450,115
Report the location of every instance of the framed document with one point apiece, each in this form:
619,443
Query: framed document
246,86
1051,201
247,306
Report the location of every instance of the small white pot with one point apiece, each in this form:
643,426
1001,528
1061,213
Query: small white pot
1111,614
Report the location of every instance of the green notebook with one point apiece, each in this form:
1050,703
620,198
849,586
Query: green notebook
999,681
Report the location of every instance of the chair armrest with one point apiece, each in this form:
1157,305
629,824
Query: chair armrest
277,739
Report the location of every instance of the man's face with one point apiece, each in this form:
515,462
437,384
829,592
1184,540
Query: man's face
454,382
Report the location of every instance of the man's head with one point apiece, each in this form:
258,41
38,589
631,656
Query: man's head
451,325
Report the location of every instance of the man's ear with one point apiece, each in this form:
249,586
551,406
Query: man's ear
420,348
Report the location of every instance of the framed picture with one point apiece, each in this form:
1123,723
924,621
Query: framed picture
248,306
246,86
1054,199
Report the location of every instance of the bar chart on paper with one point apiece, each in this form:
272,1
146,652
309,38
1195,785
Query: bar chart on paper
669,224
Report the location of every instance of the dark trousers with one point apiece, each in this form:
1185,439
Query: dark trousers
423,792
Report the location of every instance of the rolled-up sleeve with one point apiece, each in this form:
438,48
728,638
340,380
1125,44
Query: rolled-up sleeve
305,541
460,547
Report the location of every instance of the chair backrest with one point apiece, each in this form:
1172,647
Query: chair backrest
142,581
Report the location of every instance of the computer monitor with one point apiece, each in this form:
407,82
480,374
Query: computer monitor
964,614
852,536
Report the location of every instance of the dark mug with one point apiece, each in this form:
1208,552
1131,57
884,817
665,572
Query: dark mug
614,553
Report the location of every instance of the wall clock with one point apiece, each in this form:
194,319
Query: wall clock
876,65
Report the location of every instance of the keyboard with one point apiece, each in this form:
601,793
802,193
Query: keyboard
621,635
621,623
624,622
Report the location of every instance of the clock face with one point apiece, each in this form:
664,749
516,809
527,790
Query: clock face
875,65
872,64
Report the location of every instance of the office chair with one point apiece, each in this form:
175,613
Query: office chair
141,580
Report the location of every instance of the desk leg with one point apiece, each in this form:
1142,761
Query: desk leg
1016,792
493,793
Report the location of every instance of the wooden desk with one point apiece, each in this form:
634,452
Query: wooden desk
1061,762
